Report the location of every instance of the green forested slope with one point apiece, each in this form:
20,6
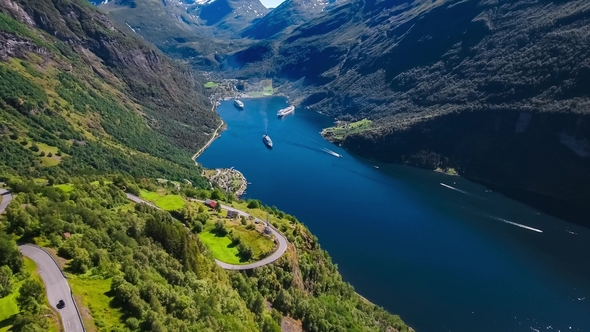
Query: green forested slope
87,112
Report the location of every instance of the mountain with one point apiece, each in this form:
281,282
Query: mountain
89,112
71,75
493,88
197,31
288,14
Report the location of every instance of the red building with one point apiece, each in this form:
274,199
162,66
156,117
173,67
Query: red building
210,203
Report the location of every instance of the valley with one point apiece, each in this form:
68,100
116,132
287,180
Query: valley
105,101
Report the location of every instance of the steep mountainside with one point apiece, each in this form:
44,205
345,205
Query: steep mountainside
89,112
195,30
72,80
497,89
289,14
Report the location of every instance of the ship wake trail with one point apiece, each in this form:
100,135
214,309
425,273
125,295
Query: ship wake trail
461,191
453,188
518,225
265,119
328,151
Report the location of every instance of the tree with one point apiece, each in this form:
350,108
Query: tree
9,254
253,204
245,251
5,281
81,261
29,322
218,207
197,227
220,228
31,296
269,325
217,194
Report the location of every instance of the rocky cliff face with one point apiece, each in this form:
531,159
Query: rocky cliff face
444,71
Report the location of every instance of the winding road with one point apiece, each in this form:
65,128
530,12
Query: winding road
276,255
6,199
57,287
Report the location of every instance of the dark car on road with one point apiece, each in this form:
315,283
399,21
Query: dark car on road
61,304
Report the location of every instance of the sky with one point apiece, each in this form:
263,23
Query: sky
271,3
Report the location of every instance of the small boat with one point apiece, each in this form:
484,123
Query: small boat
286,111
376,166
238,103
267,141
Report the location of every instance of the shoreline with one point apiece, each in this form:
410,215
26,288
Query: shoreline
215,135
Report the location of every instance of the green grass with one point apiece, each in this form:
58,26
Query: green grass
49,161
96,183
9,306
163,201
93,295
260,244
40,181
47,148
344,129
210,85
268,90
221,247
66,187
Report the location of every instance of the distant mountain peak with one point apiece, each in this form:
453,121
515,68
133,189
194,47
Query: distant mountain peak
289,14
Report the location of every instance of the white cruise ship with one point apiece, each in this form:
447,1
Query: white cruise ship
286,111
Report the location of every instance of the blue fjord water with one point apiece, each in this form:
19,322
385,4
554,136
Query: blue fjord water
442,252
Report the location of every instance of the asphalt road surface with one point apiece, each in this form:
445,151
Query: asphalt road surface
276,255
57,287
6,198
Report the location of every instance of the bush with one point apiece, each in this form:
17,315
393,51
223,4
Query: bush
245,251
220,228
34,148
42,154
198,227
50,154
253,204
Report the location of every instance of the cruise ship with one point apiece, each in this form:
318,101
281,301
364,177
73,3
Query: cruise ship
286,111
239,104
267,141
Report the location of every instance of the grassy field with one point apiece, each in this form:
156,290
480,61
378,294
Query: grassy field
222,248
341,130
46,149
267,91
9,306
210,85
92,294
66,187
162,200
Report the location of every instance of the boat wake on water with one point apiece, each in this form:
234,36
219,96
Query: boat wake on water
461,191
453,188
517,224
332,152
